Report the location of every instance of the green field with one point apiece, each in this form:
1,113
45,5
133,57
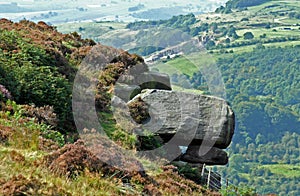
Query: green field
242,49
177,66
288,171
187,65
180,89
280,32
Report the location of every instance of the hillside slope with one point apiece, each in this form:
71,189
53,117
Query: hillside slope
256,48
37,133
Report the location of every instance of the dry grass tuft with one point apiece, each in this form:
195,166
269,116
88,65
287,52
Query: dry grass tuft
20,185
73,159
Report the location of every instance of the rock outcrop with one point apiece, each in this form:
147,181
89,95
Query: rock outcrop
195,120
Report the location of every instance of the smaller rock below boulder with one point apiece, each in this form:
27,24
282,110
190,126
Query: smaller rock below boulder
214,156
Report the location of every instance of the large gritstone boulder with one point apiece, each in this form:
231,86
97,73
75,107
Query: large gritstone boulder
198,118
205,124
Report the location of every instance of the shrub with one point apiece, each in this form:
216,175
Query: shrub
43,114
73,159
35,61
4,93
47,145
238,190
29,73
21,127
248,35
139,110
55,136
43,86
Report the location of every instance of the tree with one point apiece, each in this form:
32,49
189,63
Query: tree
263,35
210,43
258,139
248,35
213,26
232,32
227,40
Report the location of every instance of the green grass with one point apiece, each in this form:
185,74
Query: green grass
246,176
177,66
185,65
289,171
269,32
85,184
180,66
261,8
108,122
236,50
290,21
194,91
249,48
283,44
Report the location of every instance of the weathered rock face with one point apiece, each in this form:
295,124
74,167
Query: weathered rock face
196,117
